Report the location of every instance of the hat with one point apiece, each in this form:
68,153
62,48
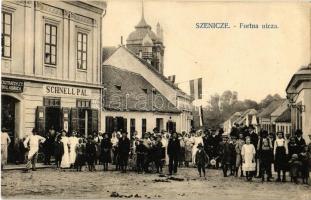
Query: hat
224,136
200,145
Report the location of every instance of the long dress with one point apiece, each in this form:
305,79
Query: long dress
188,149
73,142
248,151
65,159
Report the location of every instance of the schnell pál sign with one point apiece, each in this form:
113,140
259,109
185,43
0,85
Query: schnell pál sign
59,90
12,85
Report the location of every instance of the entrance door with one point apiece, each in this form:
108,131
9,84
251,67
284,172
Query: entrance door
8,122
53,118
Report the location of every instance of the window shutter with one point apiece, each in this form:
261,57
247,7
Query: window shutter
65,118
115,124
40,120
74,122
109,125
94,120
125,124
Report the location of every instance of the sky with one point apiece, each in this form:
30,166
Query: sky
253,62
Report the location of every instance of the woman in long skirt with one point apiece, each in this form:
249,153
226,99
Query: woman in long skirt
280,156
73,142
65,159
248,156
188,149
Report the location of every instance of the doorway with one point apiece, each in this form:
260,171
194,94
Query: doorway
53,118
8,121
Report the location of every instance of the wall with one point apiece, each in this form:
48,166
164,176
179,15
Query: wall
151,119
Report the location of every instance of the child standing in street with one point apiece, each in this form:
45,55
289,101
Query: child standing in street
248,158
80,160
280,156
90,150
201,159
140,153
58,150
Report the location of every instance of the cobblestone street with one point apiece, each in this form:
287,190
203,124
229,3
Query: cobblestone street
51,183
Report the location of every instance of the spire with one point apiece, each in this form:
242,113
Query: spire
142,23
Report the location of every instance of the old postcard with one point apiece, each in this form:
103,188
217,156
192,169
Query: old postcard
154,99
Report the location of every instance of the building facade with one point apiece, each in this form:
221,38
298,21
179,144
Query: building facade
299,96
51,58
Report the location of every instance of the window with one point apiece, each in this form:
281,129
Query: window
82,51
6,35
50,50
83,103
51,101
132,126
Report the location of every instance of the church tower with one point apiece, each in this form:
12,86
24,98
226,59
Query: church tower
146,44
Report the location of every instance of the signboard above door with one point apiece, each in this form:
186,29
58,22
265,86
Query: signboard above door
12,85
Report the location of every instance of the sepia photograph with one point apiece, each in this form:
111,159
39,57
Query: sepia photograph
156,99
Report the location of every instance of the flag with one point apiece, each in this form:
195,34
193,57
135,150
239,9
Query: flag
201,115
196,88
172,78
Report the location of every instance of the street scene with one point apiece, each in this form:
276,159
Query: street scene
155,100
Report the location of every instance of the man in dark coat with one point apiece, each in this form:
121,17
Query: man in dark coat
225,152
124,150
299,141
173,149
48,146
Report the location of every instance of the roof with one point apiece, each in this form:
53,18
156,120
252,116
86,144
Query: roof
285,117
141,30
129,91
303,74
156,72
108,51
242,118
266,112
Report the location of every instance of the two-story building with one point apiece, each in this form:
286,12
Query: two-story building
51,66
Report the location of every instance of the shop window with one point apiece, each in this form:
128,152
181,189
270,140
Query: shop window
51,101
82,51
50,51
6,35
83,103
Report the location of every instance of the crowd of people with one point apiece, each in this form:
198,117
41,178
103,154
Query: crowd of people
242,153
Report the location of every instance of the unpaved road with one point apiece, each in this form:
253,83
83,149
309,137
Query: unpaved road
54,184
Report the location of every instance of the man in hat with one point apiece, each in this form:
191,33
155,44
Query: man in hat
48,146
124,150
5,141
32,143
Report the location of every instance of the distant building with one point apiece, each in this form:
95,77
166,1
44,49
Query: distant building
283,122
264,117
229,123
247,118
299,96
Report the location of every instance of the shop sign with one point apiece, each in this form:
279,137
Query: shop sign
58,90
12,85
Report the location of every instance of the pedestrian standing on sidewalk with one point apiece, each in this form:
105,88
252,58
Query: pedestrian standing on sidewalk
48,146
280,156
32,142
5,141
201,160
173,149
124,150
58,151
248,156
106,146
